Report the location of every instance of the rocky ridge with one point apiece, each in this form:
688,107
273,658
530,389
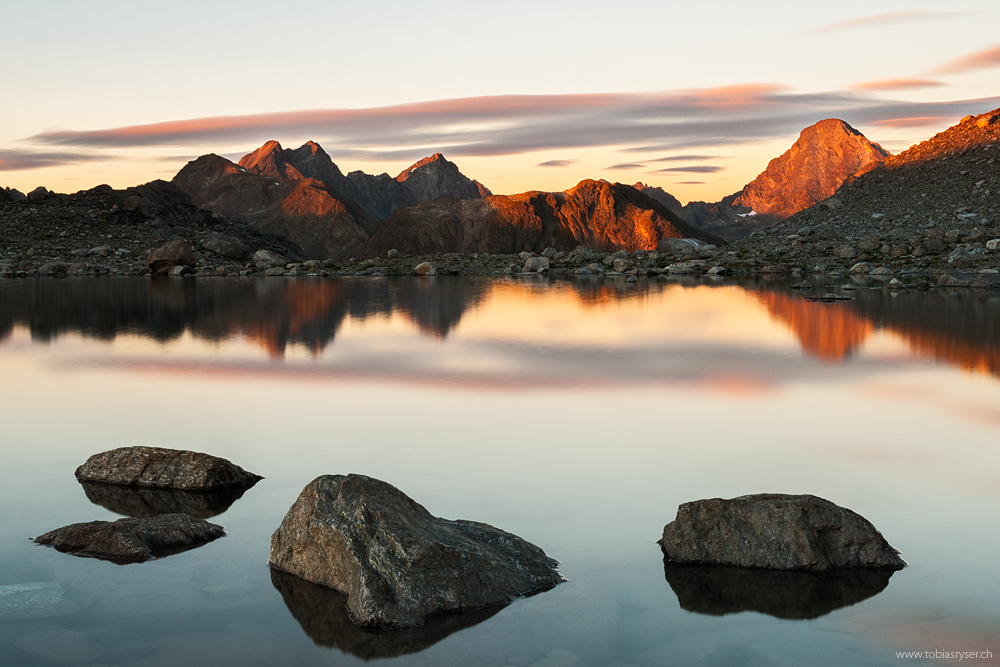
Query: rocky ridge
595,214
932,207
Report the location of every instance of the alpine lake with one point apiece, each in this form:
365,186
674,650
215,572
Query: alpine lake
577,414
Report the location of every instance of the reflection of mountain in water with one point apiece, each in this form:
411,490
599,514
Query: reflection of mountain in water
322,613
718,590
956,328
142,501
275,313
959,328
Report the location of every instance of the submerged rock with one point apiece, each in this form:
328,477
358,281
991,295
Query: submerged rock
718,590
132,540
322,613
144,501
165,468
776,531
396,562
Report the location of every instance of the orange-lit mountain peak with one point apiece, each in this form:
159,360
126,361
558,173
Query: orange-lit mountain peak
437,157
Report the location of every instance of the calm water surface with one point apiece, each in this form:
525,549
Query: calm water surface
575,414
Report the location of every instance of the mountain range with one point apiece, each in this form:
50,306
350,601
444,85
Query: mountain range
301,195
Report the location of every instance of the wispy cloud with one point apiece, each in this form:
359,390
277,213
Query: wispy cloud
688,121
985,59
556,163
685,158
912,121
18,160
881,20
690,183
898,84
624,166
692,169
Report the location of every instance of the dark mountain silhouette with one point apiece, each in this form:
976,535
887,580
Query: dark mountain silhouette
597,214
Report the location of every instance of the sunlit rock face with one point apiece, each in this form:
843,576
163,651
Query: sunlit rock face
396,562
949,181
825,156
778,532
597,214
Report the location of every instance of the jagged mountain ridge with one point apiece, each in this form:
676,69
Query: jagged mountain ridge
380,195
824,157
597,214
300,194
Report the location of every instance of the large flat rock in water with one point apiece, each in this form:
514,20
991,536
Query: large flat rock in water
132,540
165,468
396,563
776,531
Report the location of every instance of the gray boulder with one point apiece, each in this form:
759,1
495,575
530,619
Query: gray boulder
775,531
266,259
39,194
166,257
16,195
396,562
52,269
132,540
227,246
536,265
165,468
425,269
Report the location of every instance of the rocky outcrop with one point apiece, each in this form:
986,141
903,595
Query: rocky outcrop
597,214
396,562
718,590
659,194
144,501
322,613
776,531
165,468
132,540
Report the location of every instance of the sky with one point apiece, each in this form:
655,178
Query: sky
695,98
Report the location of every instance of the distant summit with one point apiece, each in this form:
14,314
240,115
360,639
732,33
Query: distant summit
825,156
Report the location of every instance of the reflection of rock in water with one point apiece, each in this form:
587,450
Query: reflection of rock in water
322,613
718,590
141,501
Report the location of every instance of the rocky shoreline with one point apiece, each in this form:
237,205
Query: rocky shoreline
106,232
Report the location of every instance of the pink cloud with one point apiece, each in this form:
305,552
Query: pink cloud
985,59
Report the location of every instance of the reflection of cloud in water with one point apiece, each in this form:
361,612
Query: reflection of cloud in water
322,613
718,590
